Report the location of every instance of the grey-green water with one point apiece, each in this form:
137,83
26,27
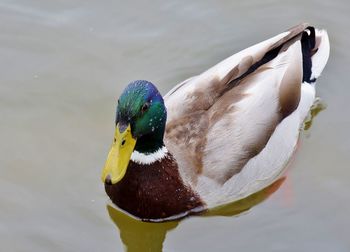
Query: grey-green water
64,63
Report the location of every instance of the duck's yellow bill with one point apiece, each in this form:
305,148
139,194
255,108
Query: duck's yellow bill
119,156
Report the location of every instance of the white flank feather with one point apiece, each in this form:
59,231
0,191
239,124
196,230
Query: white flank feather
265,168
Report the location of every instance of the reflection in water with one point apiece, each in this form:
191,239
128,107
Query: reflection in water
316,108
142,236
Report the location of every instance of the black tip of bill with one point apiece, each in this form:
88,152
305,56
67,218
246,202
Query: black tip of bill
108,180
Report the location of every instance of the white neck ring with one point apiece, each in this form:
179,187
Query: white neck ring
147,159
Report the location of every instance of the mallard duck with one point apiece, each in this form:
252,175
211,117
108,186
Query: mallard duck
217,137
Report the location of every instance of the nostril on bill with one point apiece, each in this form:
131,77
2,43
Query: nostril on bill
108,180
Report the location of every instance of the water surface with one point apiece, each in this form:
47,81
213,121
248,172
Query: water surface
63,65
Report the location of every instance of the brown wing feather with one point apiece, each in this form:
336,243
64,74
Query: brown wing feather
200,92
203,102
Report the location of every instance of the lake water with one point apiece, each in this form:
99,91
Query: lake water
63,65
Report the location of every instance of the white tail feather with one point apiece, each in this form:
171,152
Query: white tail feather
320,58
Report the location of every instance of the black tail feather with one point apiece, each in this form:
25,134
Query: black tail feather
308,42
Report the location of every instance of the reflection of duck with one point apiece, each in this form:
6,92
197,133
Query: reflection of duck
142,236
217,137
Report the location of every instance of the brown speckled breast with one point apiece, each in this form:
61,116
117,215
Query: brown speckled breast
154,192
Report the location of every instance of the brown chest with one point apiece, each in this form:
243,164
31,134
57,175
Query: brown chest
153,191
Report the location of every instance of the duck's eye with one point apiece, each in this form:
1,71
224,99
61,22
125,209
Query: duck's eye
145,107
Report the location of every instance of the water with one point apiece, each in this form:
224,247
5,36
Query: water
63,65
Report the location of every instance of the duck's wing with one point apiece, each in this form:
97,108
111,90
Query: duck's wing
223,118
204,89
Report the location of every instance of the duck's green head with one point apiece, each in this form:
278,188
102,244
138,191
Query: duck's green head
140,124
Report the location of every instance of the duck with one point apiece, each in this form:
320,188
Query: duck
217,137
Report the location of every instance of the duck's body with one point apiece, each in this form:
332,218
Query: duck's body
230,131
